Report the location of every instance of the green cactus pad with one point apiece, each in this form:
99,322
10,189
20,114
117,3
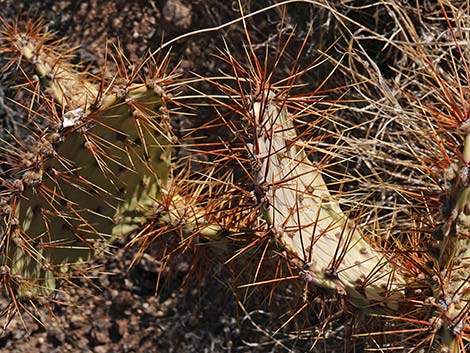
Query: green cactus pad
93,174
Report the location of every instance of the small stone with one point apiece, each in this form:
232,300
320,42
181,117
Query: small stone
75,321
100,349
178,14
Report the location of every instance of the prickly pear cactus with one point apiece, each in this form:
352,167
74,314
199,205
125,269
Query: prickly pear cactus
93,172
308,221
